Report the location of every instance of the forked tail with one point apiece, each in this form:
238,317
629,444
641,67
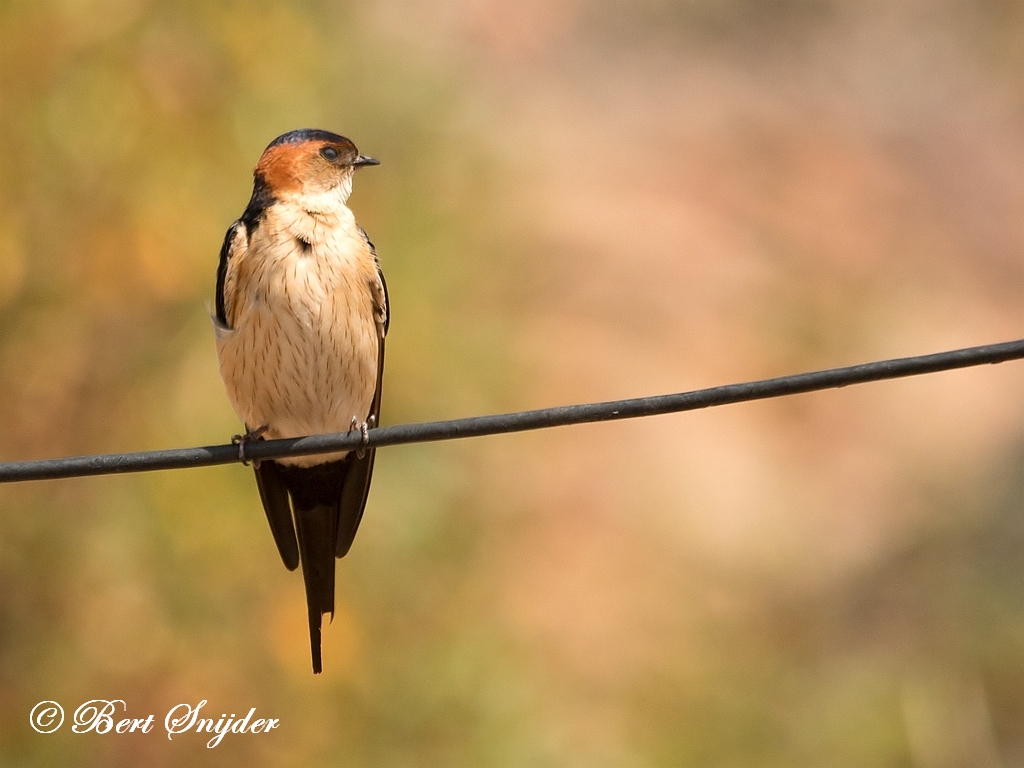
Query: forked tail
317,530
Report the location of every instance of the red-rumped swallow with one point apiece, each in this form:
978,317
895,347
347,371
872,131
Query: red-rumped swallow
301,316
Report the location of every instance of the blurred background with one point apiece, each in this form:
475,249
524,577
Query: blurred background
578,200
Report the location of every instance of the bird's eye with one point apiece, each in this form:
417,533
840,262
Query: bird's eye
329,153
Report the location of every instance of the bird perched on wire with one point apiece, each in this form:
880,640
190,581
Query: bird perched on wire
301,316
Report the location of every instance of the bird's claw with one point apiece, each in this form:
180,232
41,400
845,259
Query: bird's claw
364,431
250,436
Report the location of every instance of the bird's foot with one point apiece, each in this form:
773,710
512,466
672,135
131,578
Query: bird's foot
364,430
250,436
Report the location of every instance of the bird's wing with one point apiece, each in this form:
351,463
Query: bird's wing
235,244
382,304
356,487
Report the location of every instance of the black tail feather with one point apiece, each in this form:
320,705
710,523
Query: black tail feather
315,620
317,531
316,495
274,495
327,502
355,489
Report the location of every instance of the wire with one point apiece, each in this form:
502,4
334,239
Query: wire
478,426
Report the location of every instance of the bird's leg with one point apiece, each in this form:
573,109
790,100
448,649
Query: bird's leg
364,429
250,436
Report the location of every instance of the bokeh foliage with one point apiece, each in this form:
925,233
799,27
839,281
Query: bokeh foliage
578,200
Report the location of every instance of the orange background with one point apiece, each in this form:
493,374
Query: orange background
578,200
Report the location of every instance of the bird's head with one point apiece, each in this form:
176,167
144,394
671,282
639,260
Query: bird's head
310,162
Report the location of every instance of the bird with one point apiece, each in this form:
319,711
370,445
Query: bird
300,321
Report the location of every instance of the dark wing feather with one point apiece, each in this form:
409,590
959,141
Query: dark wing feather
227,252
247,224
356,487
357,481
383,285
387,303
274,495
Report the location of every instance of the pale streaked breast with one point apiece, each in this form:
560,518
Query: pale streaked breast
301,356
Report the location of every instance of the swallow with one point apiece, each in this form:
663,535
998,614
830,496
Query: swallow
301,316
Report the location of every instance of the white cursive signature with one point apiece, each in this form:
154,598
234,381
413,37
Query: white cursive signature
189,719
101,716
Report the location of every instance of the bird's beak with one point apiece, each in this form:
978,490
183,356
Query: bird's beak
364,160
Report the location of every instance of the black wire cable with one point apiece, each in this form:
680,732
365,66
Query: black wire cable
478,426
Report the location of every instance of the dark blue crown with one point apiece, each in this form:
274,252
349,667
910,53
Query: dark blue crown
307,134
